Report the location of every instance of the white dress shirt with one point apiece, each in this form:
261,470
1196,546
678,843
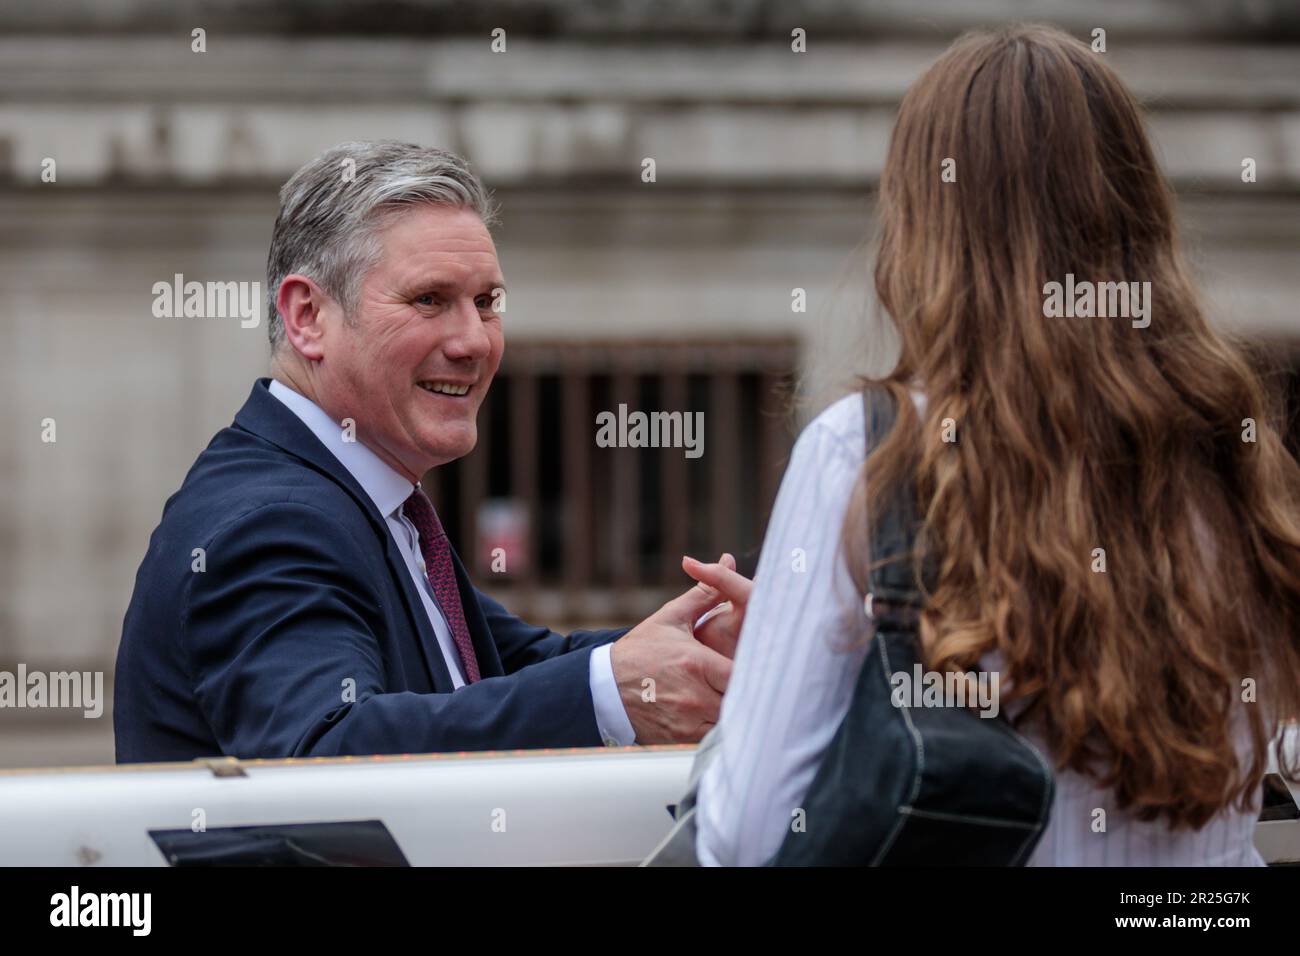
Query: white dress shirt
389,490
796,665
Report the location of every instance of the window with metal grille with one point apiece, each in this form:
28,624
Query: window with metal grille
568,532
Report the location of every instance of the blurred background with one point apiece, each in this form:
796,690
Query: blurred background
672,295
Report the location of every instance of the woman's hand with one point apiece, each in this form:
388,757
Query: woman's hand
719,629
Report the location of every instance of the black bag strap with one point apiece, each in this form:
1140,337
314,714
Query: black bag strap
895,592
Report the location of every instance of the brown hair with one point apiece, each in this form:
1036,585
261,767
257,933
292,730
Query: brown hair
1080,433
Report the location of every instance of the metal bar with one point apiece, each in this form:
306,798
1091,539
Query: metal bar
578,427
721,450
674,508
624,494
523,469
473,487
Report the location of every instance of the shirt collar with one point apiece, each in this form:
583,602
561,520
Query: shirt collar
387,488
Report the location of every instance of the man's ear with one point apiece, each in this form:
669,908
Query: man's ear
301,303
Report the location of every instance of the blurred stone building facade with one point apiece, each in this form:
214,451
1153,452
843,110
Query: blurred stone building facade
167,161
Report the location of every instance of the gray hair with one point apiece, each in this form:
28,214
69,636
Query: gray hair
333,209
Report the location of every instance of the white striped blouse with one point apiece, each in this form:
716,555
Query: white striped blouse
794,673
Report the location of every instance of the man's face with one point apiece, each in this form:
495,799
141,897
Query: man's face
423,329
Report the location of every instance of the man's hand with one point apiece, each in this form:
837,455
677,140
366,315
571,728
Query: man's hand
720,629
670,683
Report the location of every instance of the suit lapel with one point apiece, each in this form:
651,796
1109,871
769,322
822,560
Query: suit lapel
266,416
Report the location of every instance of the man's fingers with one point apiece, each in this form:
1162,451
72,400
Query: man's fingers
687,608
717,671
718,637
724,580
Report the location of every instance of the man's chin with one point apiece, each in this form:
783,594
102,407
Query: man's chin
447,450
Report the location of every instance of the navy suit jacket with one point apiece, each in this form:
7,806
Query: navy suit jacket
304,634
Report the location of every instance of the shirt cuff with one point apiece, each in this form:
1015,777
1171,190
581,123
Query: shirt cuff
611,717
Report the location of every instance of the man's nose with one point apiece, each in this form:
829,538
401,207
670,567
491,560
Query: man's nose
467,339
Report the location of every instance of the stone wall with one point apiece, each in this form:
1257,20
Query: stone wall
168,162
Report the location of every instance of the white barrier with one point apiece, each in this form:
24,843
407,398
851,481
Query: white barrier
567,807
535,807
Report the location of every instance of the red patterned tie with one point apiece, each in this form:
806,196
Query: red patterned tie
442,576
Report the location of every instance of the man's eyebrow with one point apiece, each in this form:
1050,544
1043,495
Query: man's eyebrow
443,284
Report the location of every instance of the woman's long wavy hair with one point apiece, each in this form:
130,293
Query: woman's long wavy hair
1077,434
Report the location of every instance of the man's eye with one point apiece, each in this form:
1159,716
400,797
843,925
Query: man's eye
426,299
483,303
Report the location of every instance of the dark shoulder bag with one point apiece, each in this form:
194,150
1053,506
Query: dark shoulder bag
915,786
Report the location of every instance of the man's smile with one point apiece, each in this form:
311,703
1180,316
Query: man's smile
446,389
